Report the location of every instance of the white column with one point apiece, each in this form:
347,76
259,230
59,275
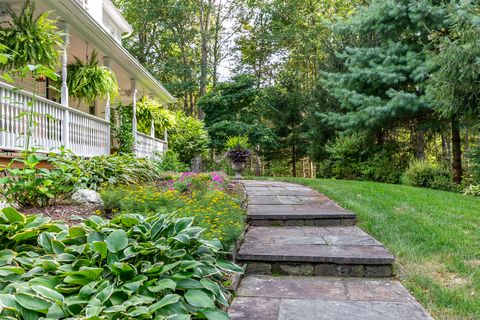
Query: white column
165,138
152,128
133,84
106,63
64,88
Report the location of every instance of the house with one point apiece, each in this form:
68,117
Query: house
88,25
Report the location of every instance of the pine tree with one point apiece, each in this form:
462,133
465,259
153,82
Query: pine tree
382,85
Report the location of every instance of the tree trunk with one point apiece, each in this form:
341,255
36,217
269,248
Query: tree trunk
205,40
257,161
294,160
418,141
456,152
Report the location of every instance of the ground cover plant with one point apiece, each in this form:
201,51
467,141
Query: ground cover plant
155,267
433,234
207,197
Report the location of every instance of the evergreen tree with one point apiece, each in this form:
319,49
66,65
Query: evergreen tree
454,85
382,85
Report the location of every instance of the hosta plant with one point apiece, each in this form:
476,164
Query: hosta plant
131,267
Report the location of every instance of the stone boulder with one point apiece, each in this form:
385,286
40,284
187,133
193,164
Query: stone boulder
87,197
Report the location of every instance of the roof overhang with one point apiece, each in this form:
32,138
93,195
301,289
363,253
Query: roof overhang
86,27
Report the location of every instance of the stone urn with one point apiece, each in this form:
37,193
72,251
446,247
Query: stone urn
238,167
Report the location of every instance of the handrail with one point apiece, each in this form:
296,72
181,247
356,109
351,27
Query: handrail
149,136
56,104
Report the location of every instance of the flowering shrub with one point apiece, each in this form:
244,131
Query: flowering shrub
205,196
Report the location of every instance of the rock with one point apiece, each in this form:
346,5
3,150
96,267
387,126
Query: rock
87,197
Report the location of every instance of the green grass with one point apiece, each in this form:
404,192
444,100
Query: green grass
435,236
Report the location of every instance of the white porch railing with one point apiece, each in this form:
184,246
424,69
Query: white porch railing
146,145
55,125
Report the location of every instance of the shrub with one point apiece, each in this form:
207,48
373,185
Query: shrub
427,175
472,190
110,170
169,161
188,138
130,267
32,185
237,141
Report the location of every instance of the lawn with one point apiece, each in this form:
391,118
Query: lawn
435,236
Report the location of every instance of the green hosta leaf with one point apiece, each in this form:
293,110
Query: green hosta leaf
165,301
215,289
6,256
229,266
138,311
34,303
58,246
94,308
22,236
48,293
178,317
8,270
101,248
55,312
117,241
83,276
199,299
215,314
8,302
183,224
13,216
162,285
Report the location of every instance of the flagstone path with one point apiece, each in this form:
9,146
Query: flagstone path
306,260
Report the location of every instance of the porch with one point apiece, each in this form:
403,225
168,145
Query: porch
59,126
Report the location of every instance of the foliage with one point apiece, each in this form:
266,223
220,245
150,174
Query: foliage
130,267
205,197
188,138
238,154
29,112
237,142
28,183
354,156
99,171
91,81
169,161
31,40
453,84
233,108
472,190
427,175
426,230
150,109
122,129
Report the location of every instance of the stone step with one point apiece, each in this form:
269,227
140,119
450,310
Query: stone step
321,251
320,298
286,215
283,204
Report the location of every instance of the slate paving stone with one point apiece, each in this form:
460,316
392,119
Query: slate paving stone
341,251
318,298
294,309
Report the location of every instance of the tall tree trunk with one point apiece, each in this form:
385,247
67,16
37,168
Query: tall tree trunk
257,161
205,13
456,151
418,141
294,160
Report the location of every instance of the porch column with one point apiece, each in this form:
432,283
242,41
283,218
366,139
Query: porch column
133,85
152,128
64,88
165,138
106,63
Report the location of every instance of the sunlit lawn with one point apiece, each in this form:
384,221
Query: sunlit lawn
435,236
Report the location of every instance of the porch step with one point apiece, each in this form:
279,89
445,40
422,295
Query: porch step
320,251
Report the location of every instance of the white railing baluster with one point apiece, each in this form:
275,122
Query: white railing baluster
56,125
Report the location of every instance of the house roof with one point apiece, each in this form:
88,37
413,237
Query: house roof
80,21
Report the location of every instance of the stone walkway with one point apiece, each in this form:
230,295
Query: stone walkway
306,260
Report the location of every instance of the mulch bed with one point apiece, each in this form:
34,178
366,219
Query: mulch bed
70,213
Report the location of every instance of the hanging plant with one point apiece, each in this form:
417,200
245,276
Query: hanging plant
89,81
148,109
31,40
